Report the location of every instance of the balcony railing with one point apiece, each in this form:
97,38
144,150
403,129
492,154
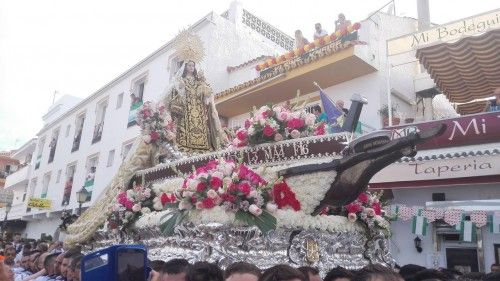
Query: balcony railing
97,132
18,177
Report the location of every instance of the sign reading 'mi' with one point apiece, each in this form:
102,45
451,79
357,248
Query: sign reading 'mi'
444,33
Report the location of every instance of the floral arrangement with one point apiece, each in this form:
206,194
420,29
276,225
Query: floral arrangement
275,123
221,183
156,123
366,208
315,44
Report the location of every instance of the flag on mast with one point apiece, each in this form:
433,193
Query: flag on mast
335,115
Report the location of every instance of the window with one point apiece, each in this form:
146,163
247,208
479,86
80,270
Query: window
53,145
136,97
111,158
58,179
80,120
99,121
126,148
32,190
91,168
68,185
119,101
68,128
45,187
41,144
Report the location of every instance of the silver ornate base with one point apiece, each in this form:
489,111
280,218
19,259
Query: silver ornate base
227,244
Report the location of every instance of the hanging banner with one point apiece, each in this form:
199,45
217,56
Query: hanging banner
468,231
40,203
419,224
494,222
452,31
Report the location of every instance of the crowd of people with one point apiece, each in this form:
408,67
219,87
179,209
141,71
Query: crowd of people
340,24
43,261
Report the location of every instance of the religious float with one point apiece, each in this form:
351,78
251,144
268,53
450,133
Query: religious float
281,189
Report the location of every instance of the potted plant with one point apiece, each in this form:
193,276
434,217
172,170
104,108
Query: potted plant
384,112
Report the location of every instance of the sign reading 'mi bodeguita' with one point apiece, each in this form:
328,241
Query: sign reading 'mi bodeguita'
444,33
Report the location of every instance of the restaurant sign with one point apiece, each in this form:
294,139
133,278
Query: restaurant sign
440,169
460,131
40,203
444,33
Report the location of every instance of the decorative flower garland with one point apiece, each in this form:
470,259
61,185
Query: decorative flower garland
272,123
156,124
220,184
315,44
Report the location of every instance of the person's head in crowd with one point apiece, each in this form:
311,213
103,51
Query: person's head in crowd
17,237
430,274
204,271
25,262
58,263
66,261
376,273
471,276
495,267
316,110
49,263
409,270
27,249
33,258
77,271
451,273
242,271
72,272
10,255
311,273
42,247
339,274
492,276
282,272
40,262
174,270
341,18
156,265
6,272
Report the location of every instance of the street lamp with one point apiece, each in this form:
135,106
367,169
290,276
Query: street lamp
8,207
81,197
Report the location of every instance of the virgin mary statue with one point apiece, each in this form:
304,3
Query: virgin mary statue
192,106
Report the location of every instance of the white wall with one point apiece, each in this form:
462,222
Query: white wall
48,226
402,245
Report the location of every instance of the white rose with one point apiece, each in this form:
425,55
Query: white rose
146,138
251,131
130,193
253,194
262,122
295,134
145,210
218,174
310,119
192,183
227,181
157,205
212,194
278,137
254,210
185,205
271,207
187,194
227,170
352,217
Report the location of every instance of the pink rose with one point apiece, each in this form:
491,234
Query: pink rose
370,212
363,198
278,137
376,207
282,116
136,207
295,123
212,194
248,123
268,131
353,208
295,134
352,217
154,136
241,134
254,210
244,188
207,203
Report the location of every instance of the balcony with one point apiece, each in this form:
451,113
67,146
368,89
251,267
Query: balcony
330,65
19,178
97,132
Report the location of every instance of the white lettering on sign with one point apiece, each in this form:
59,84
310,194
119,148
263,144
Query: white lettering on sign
300,148
439,170
473,123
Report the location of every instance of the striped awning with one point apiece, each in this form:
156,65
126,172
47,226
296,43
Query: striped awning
472,108
467,69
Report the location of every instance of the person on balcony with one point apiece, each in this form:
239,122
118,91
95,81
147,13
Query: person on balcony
300,41
495,103
67,191
319,31
91,175
341,22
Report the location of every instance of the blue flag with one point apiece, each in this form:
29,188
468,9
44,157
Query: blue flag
334,115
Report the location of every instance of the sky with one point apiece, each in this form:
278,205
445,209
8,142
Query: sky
76,47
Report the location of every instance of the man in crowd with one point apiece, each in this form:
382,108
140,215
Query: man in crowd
49,261
57,266
319,31
311,273
339,274
242,271
66,261
174,270
23,271
10,255
17,243
74,268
